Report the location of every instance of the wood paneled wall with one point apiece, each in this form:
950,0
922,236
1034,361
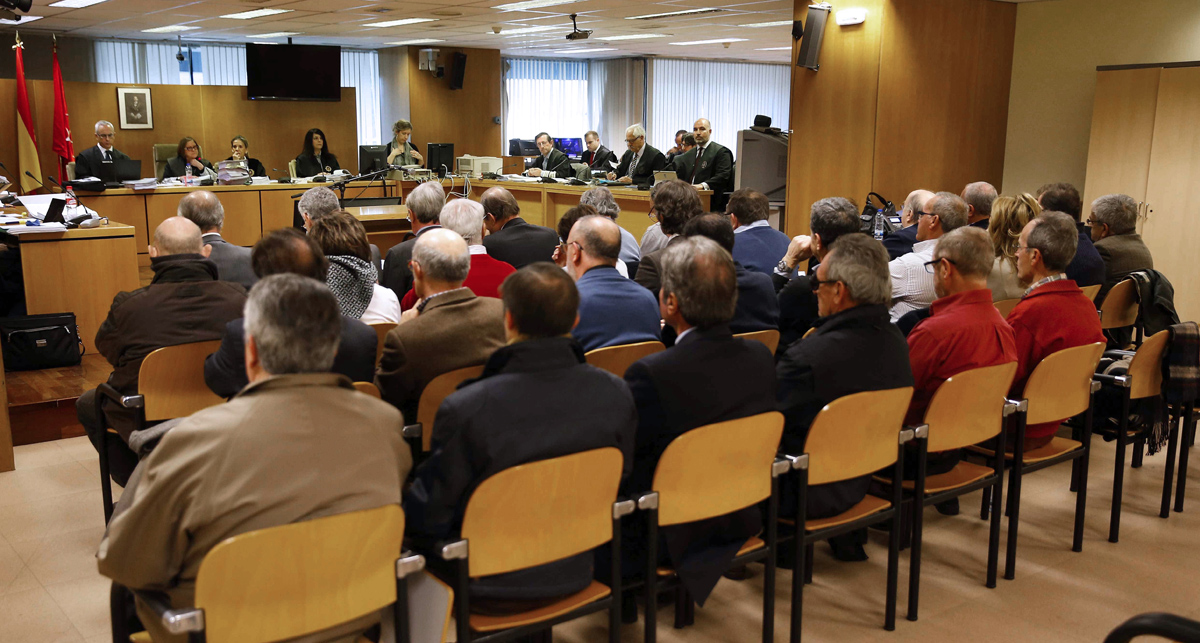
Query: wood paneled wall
1123,117
916,97
461,116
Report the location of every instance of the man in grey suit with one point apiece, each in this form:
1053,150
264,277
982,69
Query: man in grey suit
425,205
1114,229
233,262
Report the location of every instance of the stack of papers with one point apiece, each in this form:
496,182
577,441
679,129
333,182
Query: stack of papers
232,172
19,229
141,184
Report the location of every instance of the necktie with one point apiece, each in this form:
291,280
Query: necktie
633,164
696,165
107,156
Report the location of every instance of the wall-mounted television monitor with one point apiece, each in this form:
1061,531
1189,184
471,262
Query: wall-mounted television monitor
572,147
293,72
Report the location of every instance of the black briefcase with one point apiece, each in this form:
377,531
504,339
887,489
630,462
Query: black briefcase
34,342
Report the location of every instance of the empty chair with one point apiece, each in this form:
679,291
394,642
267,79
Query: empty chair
1091,291
431,399
1120,308
618,359
769,338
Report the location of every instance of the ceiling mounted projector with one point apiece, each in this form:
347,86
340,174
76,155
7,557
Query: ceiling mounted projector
577,33
20,5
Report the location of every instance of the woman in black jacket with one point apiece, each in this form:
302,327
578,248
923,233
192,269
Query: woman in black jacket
316,157
239,149
188,154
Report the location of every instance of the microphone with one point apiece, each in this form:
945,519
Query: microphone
3,168
34,178
51,179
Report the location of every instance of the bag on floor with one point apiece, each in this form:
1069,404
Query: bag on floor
33,342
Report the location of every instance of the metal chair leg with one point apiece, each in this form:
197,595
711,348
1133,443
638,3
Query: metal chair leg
1114,523
918,519
1139,449
808,563
893,568
1016,474
681,600
1169,470
1084,463
994,531
1188,428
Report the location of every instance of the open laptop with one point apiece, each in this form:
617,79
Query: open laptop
120,170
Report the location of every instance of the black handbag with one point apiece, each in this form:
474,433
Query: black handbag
34,342
869,211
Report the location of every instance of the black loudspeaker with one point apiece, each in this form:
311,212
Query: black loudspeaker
814,32
797,30
459,70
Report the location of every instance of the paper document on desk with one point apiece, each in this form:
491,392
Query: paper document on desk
141,184
34,229
522,179
37,204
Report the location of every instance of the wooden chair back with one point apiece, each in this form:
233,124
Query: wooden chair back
171,379
1145,371
381,331
283,582
856,435
369,388
716,469
71,171
1120,306
769,338
434,393
969,407
292,168
1091,291
163,152
1005,306
543,511
1061,384
618,359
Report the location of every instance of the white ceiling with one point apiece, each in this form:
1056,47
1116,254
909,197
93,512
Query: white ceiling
467,23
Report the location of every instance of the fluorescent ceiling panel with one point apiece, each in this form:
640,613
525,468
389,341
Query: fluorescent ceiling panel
257,13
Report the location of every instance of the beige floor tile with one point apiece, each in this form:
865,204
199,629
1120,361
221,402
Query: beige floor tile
34,520
33,615
85,602
79,449
93,468
43,482
39,455
62,557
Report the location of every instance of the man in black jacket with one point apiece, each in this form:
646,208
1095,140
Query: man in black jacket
757,306
686,387
854,348
425,205
708,167
640,161
597,156
288,251
536,399
89,161
551,162
510,238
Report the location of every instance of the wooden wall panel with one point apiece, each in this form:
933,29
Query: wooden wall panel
1122,131
945,67
463,116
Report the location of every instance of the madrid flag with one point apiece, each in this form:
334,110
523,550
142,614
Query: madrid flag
27,156
61,143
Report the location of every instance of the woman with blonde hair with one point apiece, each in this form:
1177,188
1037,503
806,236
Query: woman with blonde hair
1009,216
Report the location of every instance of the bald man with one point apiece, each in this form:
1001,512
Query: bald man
900,242
613,310
204,209
184,303
448,329
708,167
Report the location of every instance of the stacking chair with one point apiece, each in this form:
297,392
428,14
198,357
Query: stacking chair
852,437
292,168
769,338
1091,291
170,384
420,434
381,331
71,171
967,409
1143,380
1120,309
618,359
711,471
1186,431
367,387
533,514
298,579
1005,306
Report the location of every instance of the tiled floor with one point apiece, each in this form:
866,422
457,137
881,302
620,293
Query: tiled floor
51,522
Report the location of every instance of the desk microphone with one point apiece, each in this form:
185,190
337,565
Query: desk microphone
51,179
282,179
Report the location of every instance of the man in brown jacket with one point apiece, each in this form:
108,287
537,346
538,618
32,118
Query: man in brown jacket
449,328
297,443
1114,230
184,303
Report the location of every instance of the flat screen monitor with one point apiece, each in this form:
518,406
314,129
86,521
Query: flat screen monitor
372,158
439,157
293,72
761,164
570,146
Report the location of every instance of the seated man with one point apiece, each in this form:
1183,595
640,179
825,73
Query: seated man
912,274
758,246
688,386
232,468
852,349
1054,314
900,242
204,209
602,199
1114,229
511,239
90,161
319,202
286,251
674,203
979,197
612,309
448,329
757,306
465,217
425,205
1086,267
964,331
184,303
536,399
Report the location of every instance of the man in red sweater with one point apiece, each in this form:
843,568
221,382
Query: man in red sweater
1054,314
465,217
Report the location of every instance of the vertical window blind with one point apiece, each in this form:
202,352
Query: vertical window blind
545,96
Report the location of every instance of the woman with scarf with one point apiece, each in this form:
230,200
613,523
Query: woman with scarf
352,277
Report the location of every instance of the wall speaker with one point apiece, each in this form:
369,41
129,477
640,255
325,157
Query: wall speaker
814,33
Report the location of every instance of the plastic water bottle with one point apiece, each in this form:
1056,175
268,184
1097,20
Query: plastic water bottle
71,200
879,225
187,177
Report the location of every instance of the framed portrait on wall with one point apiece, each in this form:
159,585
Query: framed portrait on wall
133,104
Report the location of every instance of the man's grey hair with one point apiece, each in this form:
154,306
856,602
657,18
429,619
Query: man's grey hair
833,217
916,200
1055,236
295,322
980,196
426,201
319,202
969,249
950,209
204,209
636,130
107,124
703,279
602,199
1118,211
464,217
438,265
861,264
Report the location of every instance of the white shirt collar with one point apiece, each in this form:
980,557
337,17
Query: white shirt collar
102,150
477,250
757,224
680,337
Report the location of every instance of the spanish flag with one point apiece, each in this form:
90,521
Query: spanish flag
27,155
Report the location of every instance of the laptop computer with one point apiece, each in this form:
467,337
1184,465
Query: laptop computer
120,170
664,175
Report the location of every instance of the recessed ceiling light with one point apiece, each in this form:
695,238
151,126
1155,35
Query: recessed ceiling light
776,23
75,4
418,41
275,34
23,20
774,49
636,36
715,41
257,13
532,4
397,23
524,30
585,51
169,29
686,12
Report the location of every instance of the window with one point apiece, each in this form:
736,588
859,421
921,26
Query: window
360,70
545,96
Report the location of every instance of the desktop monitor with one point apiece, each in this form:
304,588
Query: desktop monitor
372,158
761,164
522,147
439,158
572,147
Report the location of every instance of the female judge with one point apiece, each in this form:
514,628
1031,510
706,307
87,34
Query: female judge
239,151
400,151
316,158
187,154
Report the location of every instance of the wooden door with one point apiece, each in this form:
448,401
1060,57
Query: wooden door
1122,131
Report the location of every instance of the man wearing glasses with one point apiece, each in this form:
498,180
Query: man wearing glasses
89,161
912,278
640,161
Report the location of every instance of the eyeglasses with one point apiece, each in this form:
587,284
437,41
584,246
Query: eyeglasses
1092,222
816,283
191,148
652,214
631,141
105,135
924,214
930,264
